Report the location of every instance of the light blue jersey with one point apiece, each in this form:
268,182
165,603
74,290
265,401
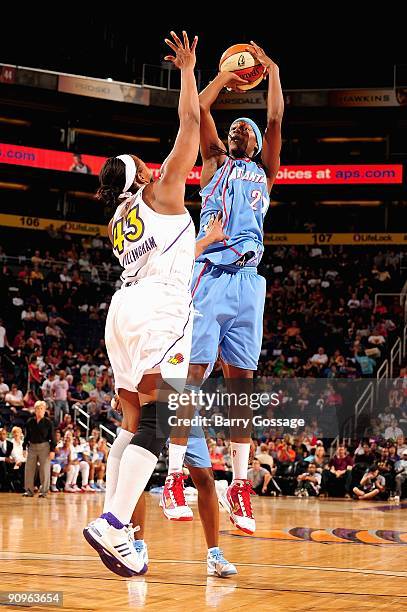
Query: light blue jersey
239,190
227,292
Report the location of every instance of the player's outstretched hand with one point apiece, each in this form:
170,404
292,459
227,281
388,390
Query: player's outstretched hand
184,52
214,230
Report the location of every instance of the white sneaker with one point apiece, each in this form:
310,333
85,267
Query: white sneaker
101,486
69,489
217,564
397,499
118,543
87,489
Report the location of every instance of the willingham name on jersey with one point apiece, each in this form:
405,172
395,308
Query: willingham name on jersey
137,252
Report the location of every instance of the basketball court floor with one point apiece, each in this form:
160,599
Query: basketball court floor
306,554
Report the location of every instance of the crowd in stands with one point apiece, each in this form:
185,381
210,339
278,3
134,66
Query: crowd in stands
321,321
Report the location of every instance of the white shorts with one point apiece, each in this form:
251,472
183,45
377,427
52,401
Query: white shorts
149,329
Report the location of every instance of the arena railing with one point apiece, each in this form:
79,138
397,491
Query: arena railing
382,375
78,419
395,355
109,432
365,400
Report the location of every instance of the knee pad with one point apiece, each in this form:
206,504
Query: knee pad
56,468
148,435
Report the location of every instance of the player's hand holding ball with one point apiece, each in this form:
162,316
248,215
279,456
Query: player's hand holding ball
242,67
232,81
184,52
260,55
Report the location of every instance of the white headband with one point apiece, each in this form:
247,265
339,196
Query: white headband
131,171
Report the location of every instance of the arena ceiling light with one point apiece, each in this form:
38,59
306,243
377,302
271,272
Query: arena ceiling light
14,186
81,194
339,139
128,137
351,202
13,121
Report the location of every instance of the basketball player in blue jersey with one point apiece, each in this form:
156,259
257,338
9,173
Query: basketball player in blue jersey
227,292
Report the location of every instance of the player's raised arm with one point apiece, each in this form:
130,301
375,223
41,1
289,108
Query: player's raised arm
169,191
270,155
210,143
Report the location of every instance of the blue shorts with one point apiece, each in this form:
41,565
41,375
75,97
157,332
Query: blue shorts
228,313
197,454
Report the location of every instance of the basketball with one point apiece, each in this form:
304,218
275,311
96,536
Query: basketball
240,61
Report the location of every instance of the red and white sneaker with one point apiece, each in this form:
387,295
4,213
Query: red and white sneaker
173,501
236,500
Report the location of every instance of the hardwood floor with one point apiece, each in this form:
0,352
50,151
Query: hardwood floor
306,554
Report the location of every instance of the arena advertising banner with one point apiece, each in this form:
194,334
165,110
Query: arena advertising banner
101,88
363,97
316,239
52,225
326,239
315,98
344,174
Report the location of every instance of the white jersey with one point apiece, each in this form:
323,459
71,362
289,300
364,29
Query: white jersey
149,244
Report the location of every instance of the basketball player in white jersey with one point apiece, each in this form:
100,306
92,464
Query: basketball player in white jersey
149,323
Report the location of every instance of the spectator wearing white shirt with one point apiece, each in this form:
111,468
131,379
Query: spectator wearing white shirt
320,358
309,482
393,432
18,453
4,388
3,339
401,475
64,276
20,457
386,417
28,315
14,398
59,390
46,389
376,339
353,303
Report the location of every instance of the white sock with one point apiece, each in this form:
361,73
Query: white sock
118,447
69,475
84,469
75,472
240,459
72,475
100,482
176,454
135,470
54,480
